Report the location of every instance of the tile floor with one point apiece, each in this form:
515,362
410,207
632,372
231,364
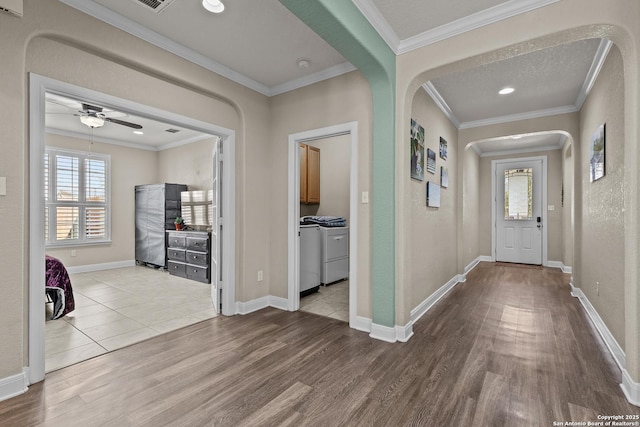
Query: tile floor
119,307
330,301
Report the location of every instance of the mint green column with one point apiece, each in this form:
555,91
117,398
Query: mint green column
342,25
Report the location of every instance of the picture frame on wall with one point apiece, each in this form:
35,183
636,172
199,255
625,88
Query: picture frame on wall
417,151
597,166
431,161
443,148
444,177
433,195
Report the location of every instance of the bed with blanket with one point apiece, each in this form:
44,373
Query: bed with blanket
58,287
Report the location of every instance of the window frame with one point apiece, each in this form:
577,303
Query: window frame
82,204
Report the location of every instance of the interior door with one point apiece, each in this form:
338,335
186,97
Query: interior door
519,212
216,228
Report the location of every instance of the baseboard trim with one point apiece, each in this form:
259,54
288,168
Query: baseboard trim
362,324
609,340
14,385
260,303
426,305
559,264
279,303
630,388
383,333
99,267
404,333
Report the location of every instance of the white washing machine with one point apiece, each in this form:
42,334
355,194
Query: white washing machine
310,258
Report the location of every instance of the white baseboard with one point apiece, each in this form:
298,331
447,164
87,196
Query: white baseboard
426,305
609,340
279,303
383,333
362,324
559,264
260,303
404,333
99,267
14,385
630,388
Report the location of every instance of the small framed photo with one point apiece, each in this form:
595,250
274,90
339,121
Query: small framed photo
431,161
596,155
444,177
433,195
417,151
443,148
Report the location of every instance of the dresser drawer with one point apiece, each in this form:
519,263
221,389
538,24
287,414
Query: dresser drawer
197,258
198,244
197,272
177,241
177,268
177,254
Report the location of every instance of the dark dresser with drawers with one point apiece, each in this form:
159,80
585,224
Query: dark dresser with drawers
188,255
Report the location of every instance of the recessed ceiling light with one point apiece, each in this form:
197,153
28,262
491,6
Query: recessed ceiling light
506,91
138,132
213,6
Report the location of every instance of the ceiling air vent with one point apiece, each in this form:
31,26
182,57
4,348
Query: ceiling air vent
172,130
156,5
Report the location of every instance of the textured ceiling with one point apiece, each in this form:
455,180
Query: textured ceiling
545,79
260,39
412,17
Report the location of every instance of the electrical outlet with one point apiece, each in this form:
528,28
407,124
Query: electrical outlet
73,253
598,288
260,276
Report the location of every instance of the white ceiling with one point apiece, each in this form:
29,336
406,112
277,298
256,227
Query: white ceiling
257,44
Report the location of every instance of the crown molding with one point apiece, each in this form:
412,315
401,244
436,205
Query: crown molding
521,116
596,66
468,23
80,135
114,19
377,21
441,103
517,151
326,74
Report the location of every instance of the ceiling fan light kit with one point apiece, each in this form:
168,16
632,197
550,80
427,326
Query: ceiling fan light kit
213,6
92,121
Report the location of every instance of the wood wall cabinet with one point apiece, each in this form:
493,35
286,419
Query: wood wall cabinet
309,174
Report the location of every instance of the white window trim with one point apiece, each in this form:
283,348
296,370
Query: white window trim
82,240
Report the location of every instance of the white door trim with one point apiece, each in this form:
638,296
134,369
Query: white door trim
38,85
494,190
350,128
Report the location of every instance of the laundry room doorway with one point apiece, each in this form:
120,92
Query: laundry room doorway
323,226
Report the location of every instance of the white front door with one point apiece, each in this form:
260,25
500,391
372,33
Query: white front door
216,227
519,210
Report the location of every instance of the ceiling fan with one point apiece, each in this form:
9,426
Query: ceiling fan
90,115
94,117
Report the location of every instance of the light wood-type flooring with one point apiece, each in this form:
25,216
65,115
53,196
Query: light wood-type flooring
509,347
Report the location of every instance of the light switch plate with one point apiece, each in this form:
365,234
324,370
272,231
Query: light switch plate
551,207
3,186
365,197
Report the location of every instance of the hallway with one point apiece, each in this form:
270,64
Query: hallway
509,347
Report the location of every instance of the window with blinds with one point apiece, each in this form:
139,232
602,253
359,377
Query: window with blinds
76,197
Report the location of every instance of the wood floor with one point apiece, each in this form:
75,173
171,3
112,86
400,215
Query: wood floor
510,347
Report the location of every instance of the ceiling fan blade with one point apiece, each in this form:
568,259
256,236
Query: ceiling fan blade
123,123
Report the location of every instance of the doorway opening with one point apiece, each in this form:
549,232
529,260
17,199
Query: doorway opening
42,87
347,134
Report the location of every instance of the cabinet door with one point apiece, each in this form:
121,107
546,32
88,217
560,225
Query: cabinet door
313,175
303,172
